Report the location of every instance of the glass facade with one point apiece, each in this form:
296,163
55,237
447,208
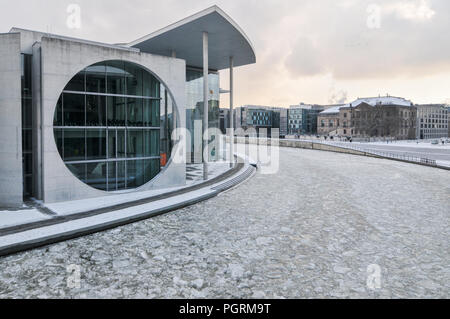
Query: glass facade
194,105
107,126
27,128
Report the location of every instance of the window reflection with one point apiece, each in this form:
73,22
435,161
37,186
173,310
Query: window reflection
74,145
95,110
96,78
74,112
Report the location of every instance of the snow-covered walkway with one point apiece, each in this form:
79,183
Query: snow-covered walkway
312,230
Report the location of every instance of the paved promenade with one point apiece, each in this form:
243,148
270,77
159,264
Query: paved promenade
310,231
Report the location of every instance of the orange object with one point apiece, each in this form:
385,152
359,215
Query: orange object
163,159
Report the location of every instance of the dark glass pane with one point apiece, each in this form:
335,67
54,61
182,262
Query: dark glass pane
147,84
76,83
28,186
156,88
28,163
140,173
135,143
112,147
151,86
95,110
156,167
27,113
79,170
115,77
59,141
151,113
121,144
121,180
131,174
151,169
116,111
96,144
26,75
27,140
57,121
135,174
134,79
74,145
96,175
96,78
135,116
151,143
74,109
112,178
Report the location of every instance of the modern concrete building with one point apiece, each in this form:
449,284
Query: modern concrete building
82,119
432,121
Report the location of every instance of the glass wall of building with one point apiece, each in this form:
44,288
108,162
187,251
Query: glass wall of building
107,126
194,106
27,128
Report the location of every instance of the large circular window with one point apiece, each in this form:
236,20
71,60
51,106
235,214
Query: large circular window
112,126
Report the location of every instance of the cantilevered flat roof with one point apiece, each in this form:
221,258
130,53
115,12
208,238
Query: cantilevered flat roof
185,38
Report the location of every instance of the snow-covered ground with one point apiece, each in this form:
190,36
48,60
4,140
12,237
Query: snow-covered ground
18,217
29,214
311,230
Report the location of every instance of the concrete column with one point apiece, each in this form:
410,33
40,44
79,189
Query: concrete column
174,112
231,113
37,120
166,122
11,189
205,104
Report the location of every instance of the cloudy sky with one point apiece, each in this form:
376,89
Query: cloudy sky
312,51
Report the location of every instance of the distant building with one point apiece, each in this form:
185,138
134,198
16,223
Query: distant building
328,121
432,121
255,117
281,121
303,119
385,117
224,120
261,118
448,114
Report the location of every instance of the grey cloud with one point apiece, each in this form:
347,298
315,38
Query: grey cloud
304,59
347,48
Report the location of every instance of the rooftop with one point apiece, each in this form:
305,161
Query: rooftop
185,39
381,100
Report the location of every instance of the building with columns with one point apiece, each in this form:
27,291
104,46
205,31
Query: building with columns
82,119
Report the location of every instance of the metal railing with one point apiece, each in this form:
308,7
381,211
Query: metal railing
403,157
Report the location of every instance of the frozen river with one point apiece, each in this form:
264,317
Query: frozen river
310,231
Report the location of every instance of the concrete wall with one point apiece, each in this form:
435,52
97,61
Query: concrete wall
60,61
10,121
300,144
